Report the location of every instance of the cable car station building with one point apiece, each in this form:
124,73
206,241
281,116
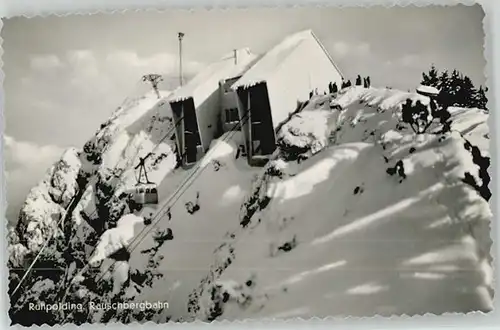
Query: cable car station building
197,105
260,92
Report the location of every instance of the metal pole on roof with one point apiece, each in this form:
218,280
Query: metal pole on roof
235,57
180,35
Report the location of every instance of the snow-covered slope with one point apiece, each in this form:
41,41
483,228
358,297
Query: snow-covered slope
174,252
337,232
354,215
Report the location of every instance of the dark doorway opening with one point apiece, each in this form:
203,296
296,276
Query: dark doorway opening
262,139
191,132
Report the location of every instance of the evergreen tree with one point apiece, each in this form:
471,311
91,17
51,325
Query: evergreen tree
431,78
466,92
479,98
444,80
456,89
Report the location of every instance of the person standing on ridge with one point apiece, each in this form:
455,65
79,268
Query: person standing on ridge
358,80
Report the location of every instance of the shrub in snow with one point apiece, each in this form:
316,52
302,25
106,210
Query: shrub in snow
217,164
258,200
224,256
159,237
250,207
292,152
93,149
358,190
117,206
285,247
105,185
157,160
398,169
110,207
420,117
276,168
442,114
193,207
103,193
417,116
483,163
149,275
223,292
145,278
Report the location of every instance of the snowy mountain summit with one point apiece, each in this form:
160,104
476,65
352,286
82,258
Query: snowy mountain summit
355,213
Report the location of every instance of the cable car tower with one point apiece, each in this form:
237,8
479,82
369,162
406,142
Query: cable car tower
146,193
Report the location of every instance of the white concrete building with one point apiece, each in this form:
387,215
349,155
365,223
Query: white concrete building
271,89
197,106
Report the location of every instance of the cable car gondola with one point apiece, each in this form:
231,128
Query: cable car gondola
145,193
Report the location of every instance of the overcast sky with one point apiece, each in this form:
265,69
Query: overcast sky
65,75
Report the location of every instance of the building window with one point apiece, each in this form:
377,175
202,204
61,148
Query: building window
232,115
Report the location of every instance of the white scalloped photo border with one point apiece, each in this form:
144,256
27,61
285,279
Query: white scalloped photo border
491,23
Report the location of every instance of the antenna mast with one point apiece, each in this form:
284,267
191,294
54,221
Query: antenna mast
180,35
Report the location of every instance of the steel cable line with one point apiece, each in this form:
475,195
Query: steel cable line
122,181
193,172
196,170
169,134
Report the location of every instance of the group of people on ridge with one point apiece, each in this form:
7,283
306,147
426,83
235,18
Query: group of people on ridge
333,88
